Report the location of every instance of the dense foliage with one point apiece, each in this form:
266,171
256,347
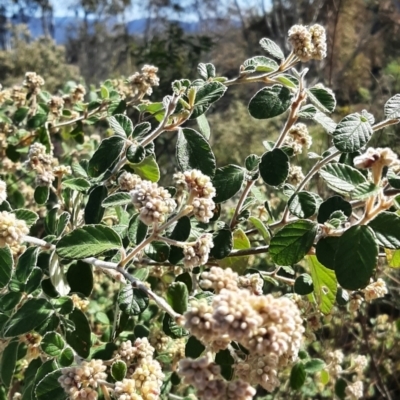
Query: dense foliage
230,282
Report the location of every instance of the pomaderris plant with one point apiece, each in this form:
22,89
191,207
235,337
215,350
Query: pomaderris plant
121,282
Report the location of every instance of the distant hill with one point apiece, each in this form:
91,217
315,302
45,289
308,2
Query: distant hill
64,26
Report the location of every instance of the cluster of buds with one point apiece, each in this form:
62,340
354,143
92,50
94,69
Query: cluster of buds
82,381
33,82
56,105
3,191
263,324
77,94
334,362
298,138
206,377
145,376
295,175
80,304
42,164
142,83
152,201
375,290
128,181
201,191
308,43
12,231
18,96
376,160
355,390
196,254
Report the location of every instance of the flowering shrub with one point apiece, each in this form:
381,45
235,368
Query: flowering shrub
119,282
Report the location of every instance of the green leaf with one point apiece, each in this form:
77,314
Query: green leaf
288,81
137,230
274,167
49,388
63,305
325,285
237,264
32,314
194,348
79,339
9,300
251,162
62,223
297,376
326,122
121,125
50,221
93,210
88,241
206,71
341,177
261,228
52,344
105,156
140,130
308,111
292,242
117,199
66,357
80,278
314,365
148,169
194,152
303,285
393,179
132,301
260,64
365,190
326,251
181,233
205,96
223,244
356,257
303,205
7,265
20,114
41,194
8,362
272,48
25,264
78,184
386,226
118,370
172,329
270,102
34,280
157,251
227,181
36,121
177,296
322,98
352,133
335,203
135,154
392,107
30,217
204,126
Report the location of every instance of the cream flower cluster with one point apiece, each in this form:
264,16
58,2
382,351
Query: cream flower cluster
298,138
265,325
128,181
197,253
355,390
153,202
80,304
308,43
202,191
142,83
206,377
375,290
12,231
33,82
145,376
41,163
77,94
3,191
81,382
217,279
56,105
295,175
